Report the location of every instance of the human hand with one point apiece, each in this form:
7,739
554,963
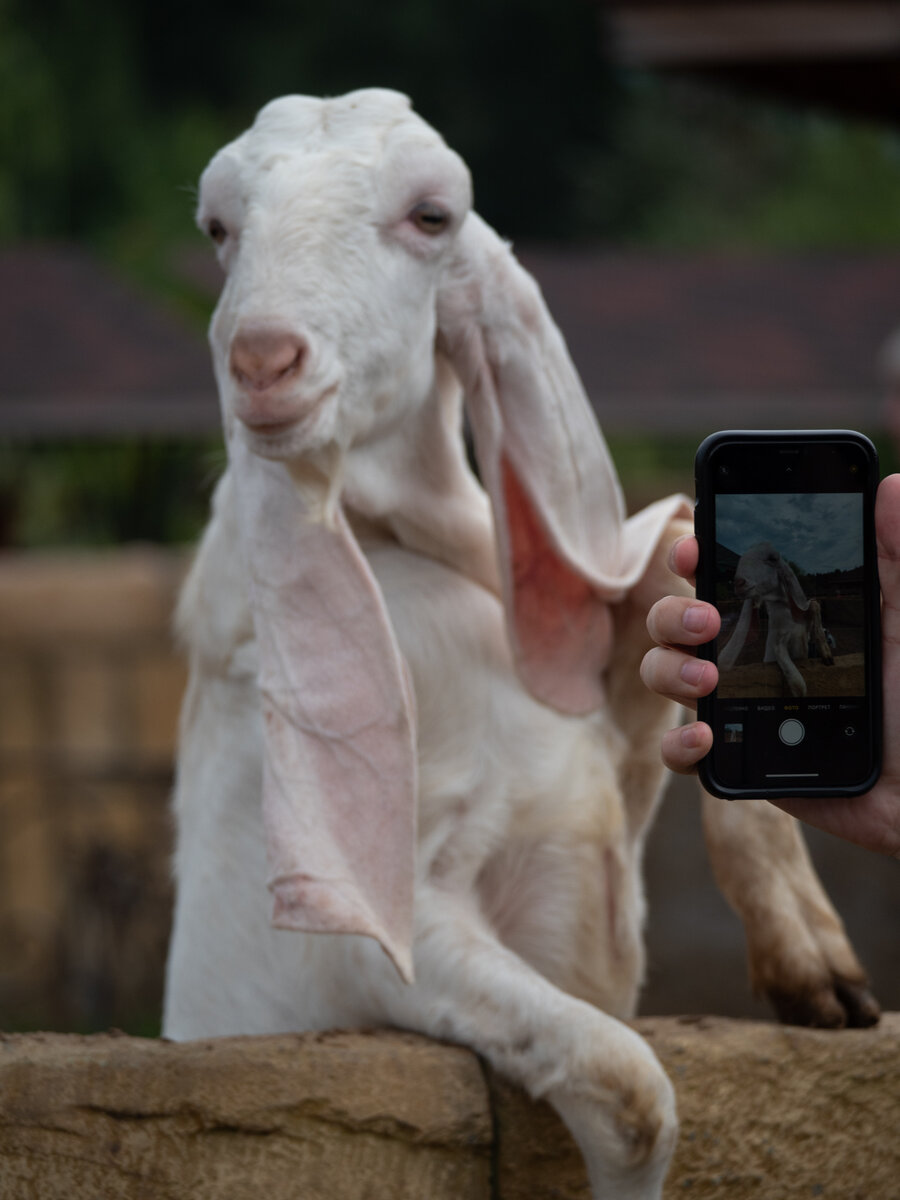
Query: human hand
678,625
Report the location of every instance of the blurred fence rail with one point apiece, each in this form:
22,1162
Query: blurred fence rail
90,685
90,689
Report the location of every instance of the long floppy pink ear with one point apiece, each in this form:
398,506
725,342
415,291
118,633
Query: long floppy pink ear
339,776
729,653
791,584
566,551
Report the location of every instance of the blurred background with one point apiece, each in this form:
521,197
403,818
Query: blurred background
709,194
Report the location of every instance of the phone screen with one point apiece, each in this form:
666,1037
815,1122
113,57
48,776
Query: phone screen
785,523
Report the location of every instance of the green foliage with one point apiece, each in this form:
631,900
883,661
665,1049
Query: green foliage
651,465
695,167
70,105
32,150
102,493
110,111
857,168
112,108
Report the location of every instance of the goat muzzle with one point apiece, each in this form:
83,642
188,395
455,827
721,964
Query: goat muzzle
266,359
267,364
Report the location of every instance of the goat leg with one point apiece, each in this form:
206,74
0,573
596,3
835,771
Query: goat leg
817,632
600,1076
800,956
795,681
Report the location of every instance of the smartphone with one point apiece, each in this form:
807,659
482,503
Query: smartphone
786,528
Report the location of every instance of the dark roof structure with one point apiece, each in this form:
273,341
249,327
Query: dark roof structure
842,55
668,342
663,343
84,353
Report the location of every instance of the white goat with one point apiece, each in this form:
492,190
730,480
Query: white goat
361,627
764,579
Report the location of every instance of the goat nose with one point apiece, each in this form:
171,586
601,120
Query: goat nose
264,358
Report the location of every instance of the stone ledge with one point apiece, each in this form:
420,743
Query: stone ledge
767,1112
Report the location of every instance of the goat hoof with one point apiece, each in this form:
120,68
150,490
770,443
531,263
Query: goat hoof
845,1004
860,1005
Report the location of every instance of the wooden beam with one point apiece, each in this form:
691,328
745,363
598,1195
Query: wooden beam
673,34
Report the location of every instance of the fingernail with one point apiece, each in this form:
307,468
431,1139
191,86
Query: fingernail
672,550
695,618
690,738
692,671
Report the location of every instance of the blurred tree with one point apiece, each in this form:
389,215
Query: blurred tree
693,167
107,93
71,106
110,110
521,88
32,150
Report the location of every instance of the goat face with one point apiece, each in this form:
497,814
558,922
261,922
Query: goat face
332,231
763,576
757,574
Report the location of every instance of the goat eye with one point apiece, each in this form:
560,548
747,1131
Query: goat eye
430,218
217,231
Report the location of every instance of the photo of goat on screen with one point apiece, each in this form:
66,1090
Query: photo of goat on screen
789,571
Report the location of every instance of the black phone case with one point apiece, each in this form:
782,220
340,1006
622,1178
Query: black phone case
704,526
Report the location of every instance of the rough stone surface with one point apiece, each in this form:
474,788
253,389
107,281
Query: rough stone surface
768,1113
771,1112
387,1117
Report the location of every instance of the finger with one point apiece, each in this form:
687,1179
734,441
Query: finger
683,748
683,557
887,530
682,621
678,675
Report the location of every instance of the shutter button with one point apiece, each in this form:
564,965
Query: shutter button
792,732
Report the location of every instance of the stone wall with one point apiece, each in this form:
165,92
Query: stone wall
768,1113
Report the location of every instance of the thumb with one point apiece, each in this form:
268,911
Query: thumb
887,533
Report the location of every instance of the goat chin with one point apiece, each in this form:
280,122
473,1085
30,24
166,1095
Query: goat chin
414,703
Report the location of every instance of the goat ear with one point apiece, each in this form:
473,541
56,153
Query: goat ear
791,584
339,770
728,655
566,552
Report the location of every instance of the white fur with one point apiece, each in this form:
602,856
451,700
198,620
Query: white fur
524,838
528,897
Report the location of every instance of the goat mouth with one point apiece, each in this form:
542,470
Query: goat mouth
269,428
